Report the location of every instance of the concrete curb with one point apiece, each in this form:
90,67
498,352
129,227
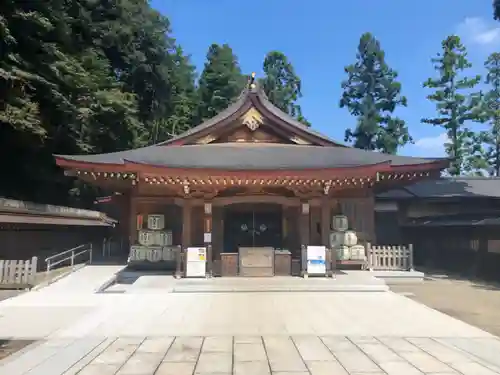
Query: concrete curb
106,284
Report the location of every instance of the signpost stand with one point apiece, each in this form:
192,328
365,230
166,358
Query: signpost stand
316,261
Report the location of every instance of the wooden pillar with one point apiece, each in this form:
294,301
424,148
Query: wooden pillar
133,220
325,222
305,229
207,235
326,217
186,224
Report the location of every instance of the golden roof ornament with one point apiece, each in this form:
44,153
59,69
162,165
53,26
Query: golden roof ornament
251,81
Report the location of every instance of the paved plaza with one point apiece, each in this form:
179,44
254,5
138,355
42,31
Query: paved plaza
149,330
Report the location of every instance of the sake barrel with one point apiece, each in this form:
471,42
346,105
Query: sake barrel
146,237
350,238
156,222
162,238
340,223
336,239
343,252
358,252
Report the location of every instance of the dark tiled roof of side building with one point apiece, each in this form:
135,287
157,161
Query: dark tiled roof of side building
456,187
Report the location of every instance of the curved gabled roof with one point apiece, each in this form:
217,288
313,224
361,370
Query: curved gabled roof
249,156
253,96
183,152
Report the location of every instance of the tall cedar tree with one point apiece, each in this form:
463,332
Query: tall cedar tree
496,9
282,85
220,82
183,99
77,76
490,139
454,103
372,94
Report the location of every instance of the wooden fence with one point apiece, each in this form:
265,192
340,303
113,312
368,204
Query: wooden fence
390,258
18,273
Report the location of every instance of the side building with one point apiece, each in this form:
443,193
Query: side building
454,223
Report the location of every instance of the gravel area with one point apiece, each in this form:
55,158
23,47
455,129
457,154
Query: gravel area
472,301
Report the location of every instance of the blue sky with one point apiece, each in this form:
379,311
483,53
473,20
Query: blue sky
320,37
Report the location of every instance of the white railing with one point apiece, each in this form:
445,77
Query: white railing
390,258
18,272
68,255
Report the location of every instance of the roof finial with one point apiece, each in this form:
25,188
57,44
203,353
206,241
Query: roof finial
251,81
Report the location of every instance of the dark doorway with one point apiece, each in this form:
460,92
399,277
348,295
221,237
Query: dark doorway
258,225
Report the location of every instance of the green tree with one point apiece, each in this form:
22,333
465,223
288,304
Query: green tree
496,10
455,105
183,100
282,85
80,76
489,140
220,82
372,94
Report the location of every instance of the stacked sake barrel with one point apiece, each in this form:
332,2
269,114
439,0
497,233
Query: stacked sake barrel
344,241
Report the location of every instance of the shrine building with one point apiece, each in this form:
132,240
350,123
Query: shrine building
251,177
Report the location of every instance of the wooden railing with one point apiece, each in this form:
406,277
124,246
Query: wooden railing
389,258
18,273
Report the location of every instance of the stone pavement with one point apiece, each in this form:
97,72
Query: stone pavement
259,355
149,331
74,315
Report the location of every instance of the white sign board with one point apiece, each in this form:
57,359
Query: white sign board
196,254
207,237
196,260
316,260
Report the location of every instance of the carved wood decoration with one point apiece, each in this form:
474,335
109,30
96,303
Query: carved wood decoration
206,140
252,119
299,141
245,135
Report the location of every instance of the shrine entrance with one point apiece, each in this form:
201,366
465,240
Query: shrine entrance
252,225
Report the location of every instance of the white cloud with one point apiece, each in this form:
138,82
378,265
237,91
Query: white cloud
432,144
478,31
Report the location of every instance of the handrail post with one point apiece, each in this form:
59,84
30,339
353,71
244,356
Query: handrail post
370,257
47,271
90,254
72,258
410,248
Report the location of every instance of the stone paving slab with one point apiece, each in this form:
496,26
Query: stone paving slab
170,314
258,355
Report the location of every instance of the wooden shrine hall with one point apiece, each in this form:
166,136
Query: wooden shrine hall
252,178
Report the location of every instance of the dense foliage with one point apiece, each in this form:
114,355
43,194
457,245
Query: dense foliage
84,76
496,9
91,76
372,94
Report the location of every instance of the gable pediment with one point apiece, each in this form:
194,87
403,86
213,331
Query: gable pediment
252,118
252,126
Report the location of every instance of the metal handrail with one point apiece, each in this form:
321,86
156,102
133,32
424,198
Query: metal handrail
73,253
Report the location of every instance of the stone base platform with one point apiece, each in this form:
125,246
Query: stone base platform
399,277
348,281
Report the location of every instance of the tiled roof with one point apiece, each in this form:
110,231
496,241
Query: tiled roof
248,156
448,188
